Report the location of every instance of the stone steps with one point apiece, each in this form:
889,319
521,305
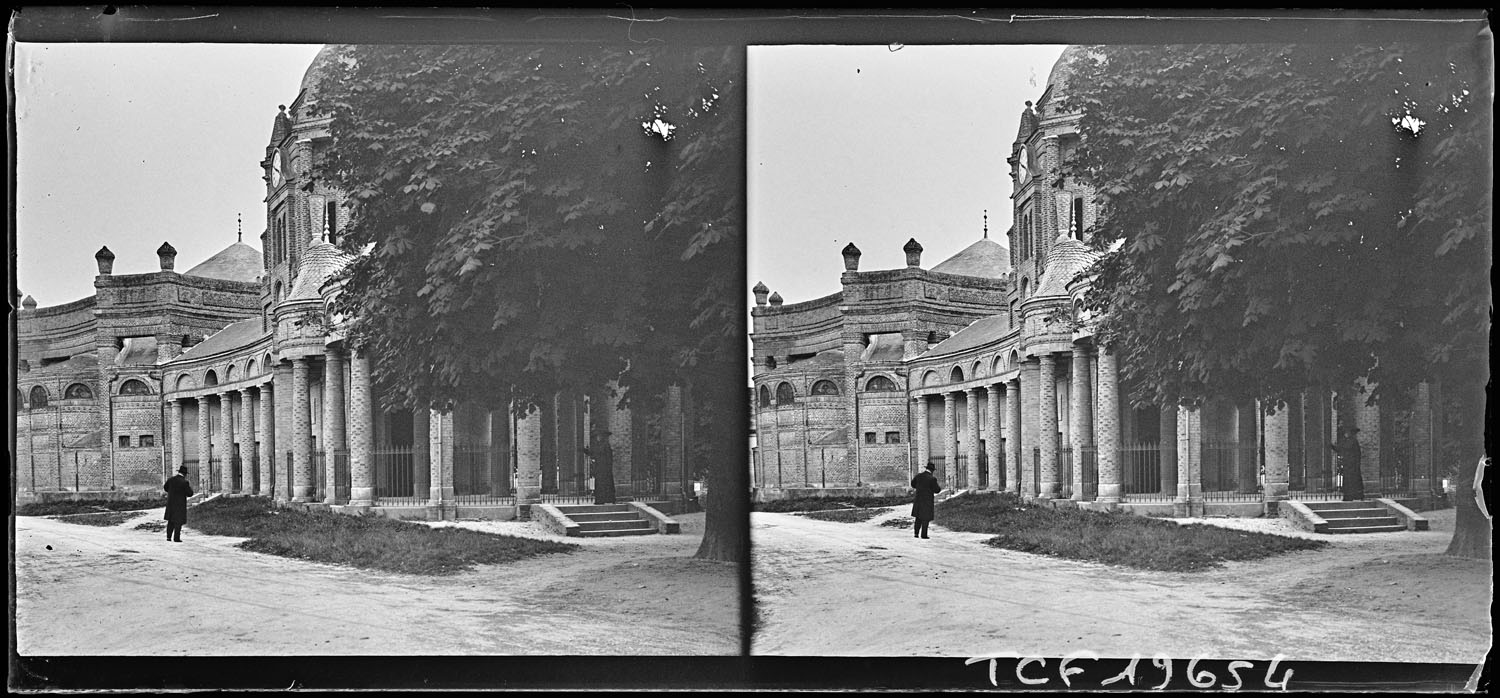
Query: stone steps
1356,517
600,520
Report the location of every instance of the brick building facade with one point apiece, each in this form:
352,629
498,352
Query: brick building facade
237,370
986,367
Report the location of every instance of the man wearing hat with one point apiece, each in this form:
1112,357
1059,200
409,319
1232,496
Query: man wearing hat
926,485
178,490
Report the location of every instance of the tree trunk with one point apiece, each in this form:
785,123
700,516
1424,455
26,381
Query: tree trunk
1471,530
726,521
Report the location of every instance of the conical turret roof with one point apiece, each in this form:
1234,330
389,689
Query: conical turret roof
985,258
1065,260
237,262
320,263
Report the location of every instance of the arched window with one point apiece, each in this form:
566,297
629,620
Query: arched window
134,387
229,374
210,378
976,370
1025,288
999,366
931,378
765,396
770,363
250,368
957,376
880,384
785,395
38,397
78,391
184,382
825,388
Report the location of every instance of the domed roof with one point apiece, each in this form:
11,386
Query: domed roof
322,66
237,262
985,258
1065,260
320,263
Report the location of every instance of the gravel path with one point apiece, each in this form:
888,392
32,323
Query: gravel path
83,590
862,589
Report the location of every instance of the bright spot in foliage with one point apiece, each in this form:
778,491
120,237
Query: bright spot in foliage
660,128
429,207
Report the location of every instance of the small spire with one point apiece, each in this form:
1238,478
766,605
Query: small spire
325,228
986,224
239,224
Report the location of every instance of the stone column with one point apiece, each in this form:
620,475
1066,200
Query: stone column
335,432
1367,420
971,433
281,442
1107,428
1030,426
1013,450
1047,425
924,449
246,433
441,440
528,437
1189,500
421,451
950,440
361,432
303,471
226,442
266,453
205,447
1168,446
1421,431
1277,465
176,435
1081,403
992,450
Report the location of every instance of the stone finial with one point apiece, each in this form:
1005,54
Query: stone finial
776,300
760,292
168,256
851,257
106,260
913,250
29,303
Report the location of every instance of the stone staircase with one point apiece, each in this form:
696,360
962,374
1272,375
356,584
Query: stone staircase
607,520
1356,517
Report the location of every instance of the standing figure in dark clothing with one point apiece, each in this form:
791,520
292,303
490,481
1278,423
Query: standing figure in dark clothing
926,486
178,490
1347,449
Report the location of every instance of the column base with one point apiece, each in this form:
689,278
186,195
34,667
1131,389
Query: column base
362,497
302,494
528,494
1049,490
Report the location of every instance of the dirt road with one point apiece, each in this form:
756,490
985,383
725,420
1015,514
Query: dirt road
861,589
82,590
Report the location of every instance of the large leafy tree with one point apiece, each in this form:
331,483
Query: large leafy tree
1295,216
535,219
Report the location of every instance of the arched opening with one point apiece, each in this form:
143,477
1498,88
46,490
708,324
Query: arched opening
957,376
770,363
230,375
880,384
184,382
38,397
134,387
210,378
999,366
1025,288
930,378
765,396
785,395
250,368
78,391
825,387
977,370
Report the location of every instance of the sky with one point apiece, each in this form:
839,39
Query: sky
876,145
132,145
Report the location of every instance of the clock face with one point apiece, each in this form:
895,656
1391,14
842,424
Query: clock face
276,169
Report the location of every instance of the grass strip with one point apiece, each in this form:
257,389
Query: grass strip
1115,538
107,518
87,506
843,515
366,542
801,504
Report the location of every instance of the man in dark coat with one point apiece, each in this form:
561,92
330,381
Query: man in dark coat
926,485
178,490
1347,448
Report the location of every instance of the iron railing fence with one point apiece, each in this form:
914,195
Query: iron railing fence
476,476
393,468
1310,479
1230,471
236,473
961,471
1036,471
1090,457
1064,471
215,473
291,474
1141,471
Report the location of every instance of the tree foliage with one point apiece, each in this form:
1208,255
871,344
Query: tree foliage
1280,217
1292,215
537,219
548,218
